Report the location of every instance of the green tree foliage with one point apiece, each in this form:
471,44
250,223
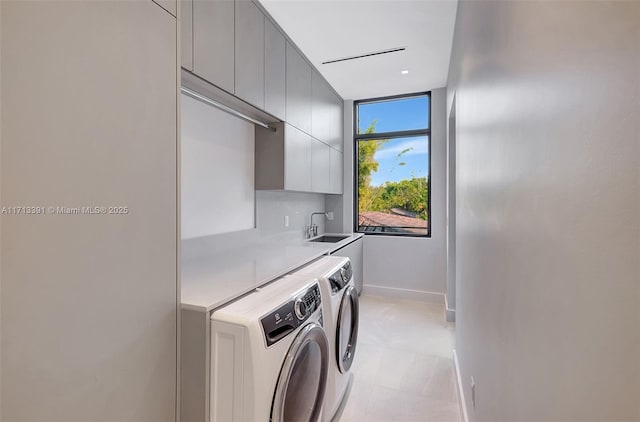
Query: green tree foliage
410,195
366,161
366,166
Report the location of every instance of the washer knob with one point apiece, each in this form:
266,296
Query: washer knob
344,274
300,308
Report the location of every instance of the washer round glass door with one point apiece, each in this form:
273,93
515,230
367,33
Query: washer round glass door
347,329
303,379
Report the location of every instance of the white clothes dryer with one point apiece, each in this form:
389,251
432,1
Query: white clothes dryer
270,355
340,304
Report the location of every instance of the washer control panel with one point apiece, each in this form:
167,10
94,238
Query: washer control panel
289,316
341,277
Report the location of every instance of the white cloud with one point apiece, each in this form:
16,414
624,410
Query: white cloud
414,147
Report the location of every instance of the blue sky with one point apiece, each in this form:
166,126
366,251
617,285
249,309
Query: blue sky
392,116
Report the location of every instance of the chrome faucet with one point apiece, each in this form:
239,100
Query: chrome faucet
312,230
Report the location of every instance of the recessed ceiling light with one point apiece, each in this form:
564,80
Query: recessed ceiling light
404,72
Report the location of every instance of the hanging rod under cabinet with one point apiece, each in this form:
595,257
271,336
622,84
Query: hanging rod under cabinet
213,103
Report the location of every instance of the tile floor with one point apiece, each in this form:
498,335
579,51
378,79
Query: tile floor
404,366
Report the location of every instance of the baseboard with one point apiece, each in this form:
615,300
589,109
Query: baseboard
461,401
450,313
406,294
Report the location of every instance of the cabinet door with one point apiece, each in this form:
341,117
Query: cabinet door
186,33
336,171
320,107
213,49
274,70
105,284
249,53
320,167
297,160
298,90
326,113
336,122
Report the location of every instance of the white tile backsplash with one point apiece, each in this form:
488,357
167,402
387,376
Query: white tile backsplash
272,206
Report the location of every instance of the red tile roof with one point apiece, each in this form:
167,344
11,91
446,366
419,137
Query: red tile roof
383,219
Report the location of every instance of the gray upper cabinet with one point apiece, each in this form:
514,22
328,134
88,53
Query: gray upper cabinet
336,171
326,113
297,160
289,159
186,33
249,53
274,70
298,90
234,46
320,167
213,43
283,159
320,107
336,122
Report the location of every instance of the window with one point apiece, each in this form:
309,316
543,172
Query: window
392,164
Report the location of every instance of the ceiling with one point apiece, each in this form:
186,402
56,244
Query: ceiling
333,29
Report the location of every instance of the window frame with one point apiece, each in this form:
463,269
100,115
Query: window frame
389,135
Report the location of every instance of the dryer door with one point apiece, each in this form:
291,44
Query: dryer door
347,329
303,378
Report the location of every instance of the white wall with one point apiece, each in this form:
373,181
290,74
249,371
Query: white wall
451,211
548,209
406,267
217,171
220,206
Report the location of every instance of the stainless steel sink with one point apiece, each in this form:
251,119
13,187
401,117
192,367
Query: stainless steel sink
329,239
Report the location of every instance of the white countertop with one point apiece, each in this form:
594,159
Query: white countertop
211,281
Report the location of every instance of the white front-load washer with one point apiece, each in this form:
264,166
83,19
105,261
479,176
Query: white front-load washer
270,355
340,303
